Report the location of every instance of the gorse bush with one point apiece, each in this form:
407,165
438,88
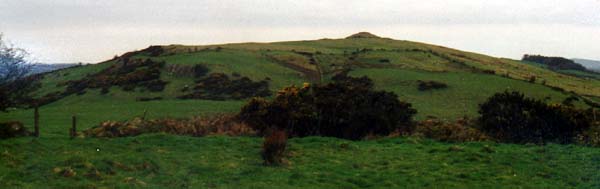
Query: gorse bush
219,86
273,148
460,131
429,85
196,126
346,108
511,117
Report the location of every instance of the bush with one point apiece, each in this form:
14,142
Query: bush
460,131
346,108
429,85
274,147
12,129
591,136
511,117
196,126
218,86
145,99
200,70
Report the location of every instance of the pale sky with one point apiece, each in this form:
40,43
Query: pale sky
96,30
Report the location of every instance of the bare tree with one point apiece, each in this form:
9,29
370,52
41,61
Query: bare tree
13,62
15,86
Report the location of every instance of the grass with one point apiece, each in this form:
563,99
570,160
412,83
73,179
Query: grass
232,162
465,90
91,109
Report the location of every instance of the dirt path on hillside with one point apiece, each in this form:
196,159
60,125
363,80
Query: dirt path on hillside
311,75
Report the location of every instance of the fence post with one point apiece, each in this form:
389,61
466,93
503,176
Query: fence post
144,116
73,127
36,121
594,112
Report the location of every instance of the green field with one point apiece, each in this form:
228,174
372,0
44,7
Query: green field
314,162
160,160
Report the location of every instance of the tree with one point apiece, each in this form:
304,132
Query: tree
13,63
14,68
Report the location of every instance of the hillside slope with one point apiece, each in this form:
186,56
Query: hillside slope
167,81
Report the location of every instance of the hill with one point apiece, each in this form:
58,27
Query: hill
182,81
162,80
554,63
42,68
589,64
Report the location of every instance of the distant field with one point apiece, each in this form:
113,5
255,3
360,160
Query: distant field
55,119
464,93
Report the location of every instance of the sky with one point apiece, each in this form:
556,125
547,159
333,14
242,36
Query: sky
64,31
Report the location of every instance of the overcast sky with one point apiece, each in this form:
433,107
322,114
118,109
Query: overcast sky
96,30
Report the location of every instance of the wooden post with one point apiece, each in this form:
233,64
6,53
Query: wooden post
36,121
73,127
594,112
144,116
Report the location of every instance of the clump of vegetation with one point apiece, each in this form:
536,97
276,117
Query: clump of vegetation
16,93
347,108
273,148
532,79
460,131
200,70
154,51
12,129
512,117
144,99
128,74
554,63
218,86
430,85
196,126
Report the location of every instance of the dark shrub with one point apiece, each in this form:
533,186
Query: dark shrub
532,79
429,85
154,85
105,90
460,131
144,99
17,93
128,74
491,72
154,50
200,70
218,86
569,101
12,129
274,147
346,108
511,117
385,60
591,136
196,126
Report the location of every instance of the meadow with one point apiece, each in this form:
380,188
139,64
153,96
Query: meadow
166,161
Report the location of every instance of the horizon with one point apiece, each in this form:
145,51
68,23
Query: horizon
66,31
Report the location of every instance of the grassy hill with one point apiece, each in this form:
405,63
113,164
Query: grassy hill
394,65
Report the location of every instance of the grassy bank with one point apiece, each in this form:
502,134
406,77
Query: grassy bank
230,162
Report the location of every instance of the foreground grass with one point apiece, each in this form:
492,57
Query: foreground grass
231,162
